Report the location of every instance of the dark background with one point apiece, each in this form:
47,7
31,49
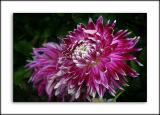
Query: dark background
33,29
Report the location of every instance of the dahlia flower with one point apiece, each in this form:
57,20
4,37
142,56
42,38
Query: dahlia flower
90,61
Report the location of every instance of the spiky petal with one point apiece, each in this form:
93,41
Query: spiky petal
92,60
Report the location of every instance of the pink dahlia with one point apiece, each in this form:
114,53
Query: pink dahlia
44,65
91,60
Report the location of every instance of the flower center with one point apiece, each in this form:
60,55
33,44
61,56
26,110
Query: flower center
82,50
83,54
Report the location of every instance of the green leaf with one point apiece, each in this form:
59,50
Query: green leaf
23,47
78,19
143,55
20,77
134,65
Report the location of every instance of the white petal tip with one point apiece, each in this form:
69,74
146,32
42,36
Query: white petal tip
108,21
90,19
138,37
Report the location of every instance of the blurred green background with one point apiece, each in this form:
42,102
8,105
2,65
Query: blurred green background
33,29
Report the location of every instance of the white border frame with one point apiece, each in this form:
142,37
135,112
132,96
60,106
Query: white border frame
151,8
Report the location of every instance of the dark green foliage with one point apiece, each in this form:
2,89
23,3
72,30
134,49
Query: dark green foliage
32,30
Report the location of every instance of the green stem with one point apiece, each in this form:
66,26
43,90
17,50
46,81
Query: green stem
115,98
